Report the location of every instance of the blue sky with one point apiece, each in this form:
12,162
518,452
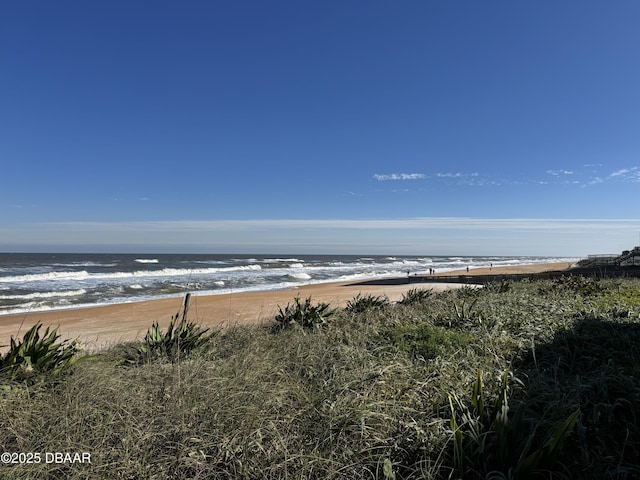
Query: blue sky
424,127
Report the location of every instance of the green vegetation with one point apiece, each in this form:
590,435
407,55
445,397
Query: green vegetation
179,340
535,379
416,295
429,341
303,314
36,357
362,303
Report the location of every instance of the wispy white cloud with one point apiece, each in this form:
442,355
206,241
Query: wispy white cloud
186,228
456,175
560,176
594,181
345,224
420,235
557,173
626,174
399,176
620,172
460,178
622,175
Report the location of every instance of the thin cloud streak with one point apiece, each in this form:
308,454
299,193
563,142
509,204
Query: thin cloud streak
349,224
559,176
422,235
399,176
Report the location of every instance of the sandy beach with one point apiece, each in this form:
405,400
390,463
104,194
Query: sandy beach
101,326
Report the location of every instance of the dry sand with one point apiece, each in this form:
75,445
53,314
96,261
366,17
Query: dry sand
535,268
98,327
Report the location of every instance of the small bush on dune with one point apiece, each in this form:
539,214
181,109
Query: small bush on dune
36,356
503,286
303,314
362,303
415,296
581,285
178,340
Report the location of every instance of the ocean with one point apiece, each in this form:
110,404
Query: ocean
32,282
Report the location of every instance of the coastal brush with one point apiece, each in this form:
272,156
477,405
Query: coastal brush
37,355
179,339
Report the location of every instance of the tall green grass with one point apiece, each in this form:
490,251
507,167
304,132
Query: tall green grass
536,379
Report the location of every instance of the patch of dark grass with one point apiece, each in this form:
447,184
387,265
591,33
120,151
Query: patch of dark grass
429,341
593,365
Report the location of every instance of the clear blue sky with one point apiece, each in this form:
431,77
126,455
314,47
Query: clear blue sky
424,127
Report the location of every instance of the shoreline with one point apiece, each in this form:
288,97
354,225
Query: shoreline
101,326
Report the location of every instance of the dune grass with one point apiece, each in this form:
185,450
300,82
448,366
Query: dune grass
516,380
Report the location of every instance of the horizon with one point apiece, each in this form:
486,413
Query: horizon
359,128
272,254
507,236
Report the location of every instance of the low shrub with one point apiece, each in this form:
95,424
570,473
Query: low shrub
303,314
416,296
37,355
362,303
180,339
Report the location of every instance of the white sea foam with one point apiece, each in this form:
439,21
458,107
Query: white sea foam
282,260
84,264
84,275
24,308
35,277
146,260
299,276
31,296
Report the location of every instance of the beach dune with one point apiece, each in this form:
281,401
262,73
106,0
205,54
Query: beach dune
101,326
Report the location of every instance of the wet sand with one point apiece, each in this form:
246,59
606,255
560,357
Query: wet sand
99,327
